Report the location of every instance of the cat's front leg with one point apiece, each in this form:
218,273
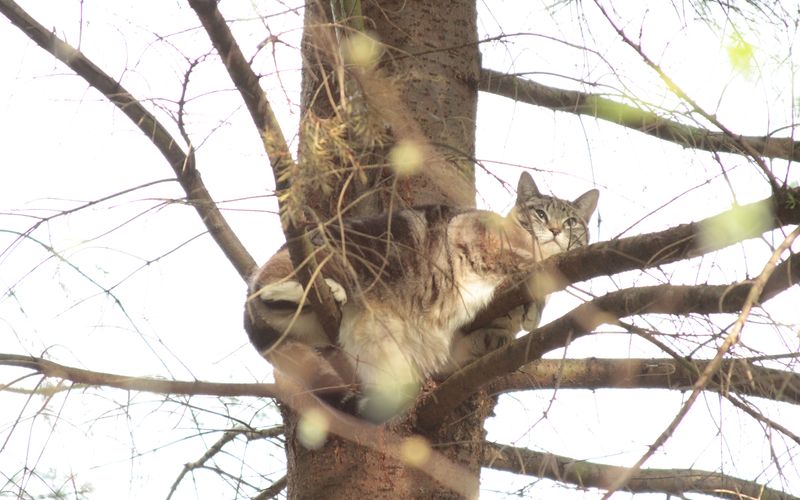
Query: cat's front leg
501,331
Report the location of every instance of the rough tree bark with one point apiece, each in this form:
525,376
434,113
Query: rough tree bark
423,91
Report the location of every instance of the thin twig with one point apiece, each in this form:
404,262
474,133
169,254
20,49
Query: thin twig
673,87
214,449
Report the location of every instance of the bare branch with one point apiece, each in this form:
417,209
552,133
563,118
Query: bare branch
280,158
593,475
741,376
273,490
664,299
754,413
159,386
185,170
582,103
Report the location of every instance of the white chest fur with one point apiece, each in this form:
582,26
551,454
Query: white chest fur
391,345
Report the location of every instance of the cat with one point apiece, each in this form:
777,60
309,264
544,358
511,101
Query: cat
406,282
558,226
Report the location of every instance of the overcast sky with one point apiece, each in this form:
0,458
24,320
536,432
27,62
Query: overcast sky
62,144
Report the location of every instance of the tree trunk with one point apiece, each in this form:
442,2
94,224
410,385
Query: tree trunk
422,91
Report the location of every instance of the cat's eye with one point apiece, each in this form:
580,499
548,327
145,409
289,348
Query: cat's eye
541,214
571,222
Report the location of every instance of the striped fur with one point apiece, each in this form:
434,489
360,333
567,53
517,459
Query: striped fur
407,282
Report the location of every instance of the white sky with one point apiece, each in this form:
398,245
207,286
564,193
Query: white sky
61,144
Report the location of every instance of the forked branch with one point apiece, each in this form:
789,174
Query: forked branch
185,170
279,155
754,294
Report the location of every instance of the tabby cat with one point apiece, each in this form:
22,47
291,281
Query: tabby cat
406,283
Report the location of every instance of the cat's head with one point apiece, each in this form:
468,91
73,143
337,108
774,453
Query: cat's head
558,225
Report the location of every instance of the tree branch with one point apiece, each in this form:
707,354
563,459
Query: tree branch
740,376
581,103
246,81
184,167
663,299
129,383
593,475
273,490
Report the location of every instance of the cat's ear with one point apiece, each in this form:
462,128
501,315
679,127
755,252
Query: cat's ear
526,188
586,203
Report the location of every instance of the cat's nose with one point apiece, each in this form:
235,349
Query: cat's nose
555,230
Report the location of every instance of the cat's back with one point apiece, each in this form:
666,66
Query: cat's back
384,247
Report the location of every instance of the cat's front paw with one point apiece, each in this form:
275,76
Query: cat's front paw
338,292
490,339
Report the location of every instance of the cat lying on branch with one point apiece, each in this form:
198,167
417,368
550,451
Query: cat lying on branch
406,282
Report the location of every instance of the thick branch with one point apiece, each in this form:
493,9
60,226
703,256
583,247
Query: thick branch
280,158
644,251
662,299
581,103
593,475
182,165
739,376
